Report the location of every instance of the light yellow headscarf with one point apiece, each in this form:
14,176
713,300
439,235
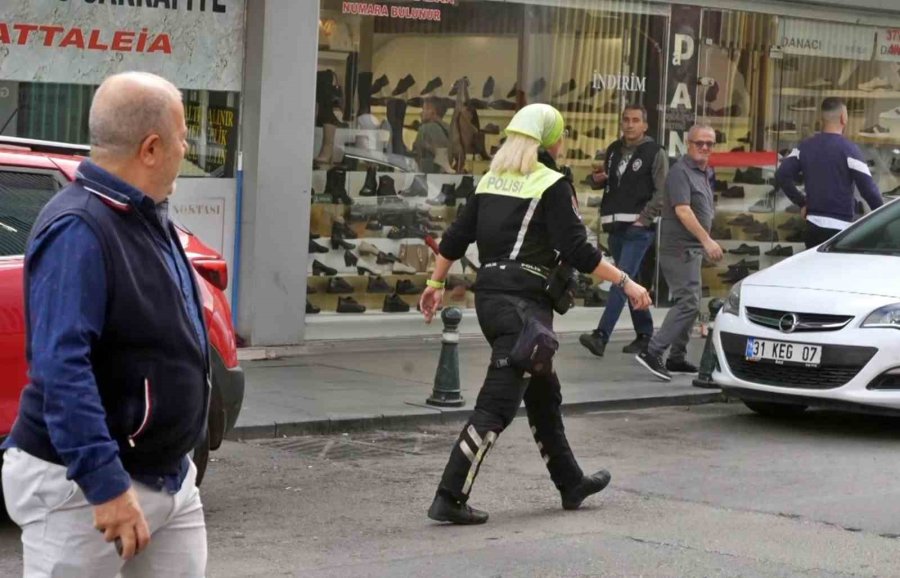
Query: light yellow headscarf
541,122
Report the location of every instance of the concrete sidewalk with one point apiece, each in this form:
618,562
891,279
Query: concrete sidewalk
371,384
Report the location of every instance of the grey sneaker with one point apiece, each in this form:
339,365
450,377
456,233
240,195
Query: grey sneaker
654,365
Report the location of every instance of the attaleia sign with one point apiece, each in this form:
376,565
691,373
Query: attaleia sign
391,11
197,44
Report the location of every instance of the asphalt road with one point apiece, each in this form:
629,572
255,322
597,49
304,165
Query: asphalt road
702,491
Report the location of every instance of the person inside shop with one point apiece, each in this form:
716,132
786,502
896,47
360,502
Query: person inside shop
829,164
432,144
525,221
687,217
632,200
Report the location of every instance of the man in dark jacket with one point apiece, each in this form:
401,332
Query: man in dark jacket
634,185
830,165
118,358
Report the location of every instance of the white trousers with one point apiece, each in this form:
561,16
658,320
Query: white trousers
58,535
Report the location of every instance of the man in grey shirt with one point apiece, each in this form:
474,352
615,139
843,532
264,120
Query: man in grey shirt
687,217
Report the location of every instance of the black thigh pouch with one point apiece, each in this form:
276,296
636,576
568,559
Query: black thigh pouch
535,347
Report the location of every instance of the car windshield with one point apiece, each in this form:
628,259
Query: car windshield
876,235
22,196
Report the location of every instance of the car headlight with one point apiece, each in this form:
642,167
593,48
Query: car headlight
887,316
733,301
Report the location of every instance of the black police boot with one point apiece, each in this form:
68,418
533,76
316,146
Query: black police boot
588,486
594,342
638,345
446,509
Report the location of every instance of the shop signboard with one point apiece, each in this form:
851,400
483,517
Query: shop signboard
887,46
196,44
829,39
681,81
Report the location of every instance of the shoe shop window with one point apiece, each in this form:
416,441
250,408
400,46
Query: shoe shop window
411,105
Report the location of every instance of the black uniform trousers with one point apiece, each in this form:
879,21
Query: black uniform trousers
500,397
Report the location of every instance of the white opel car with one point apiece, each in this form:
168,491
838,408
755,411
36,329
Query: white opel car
821,328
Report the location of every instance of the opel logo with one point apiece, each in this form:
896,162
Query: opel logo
788,322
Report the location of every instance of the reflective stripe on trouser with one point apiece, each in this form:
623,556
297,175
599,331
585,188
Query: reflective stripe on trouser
498,401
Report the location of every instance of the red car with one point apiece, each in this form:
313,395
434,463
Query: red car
28,179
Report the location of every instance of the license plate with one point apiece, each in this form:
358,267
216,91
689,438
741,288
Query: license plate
783,352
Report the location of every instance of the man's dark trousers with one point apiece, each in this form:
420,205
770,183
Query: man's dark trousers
628,249
499,399
816,235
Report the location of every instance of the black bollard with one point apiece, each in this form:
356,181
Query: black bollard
446,391
708,359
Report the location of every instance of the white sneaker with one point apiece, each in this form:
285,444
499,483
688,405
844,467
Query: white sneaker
875,131
891,115
876,83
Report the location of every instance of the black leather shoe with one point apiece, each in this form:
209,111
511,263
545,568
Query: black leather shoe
350,260
380,83
319,268
338,285
393,303
365,271
406,287
342,230
377,284
405,84
593,342
385,258
433,84
340,243
444,509
371,183
488,90
349,305
311,309
588,486
316,248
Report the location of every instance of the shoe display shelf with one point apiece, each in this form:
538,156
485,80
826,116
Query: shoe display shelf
373,301
358,245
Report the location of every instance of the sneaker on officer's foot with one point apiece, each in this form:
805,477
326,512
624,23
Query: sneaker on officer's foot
588,486
593,342
638,345
654,364
446,509
681,366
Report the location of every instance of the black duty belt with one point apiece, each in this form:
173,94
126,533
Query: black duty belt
538,270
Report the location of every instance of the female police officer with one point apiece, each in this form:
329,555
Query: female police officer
525,220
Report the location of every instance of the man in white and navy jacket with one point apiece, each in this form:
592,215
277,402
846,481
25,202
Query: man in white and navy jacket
830,165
